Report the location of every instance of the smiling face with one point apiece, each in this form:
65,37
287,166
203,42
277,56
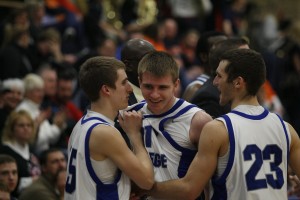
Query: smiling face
12,98
220,81
158,92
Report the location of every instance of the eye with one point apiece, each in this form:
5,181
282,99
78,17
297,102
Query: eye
163,87
149,87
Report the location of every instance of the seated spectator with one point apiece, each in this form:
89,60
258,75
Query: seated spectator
8,173
11,94
52,162
48,49
47,133
63,103
18,135
49,76
15,56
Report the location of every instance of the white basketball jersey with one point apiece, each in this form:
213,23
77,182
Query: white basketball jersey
87,178
258,156
166,138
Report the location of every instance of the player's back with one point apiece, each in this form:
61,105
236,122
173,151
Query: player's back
258,156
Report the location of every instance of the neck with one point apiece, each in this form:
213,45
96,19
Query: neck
105,109
247,100
21,142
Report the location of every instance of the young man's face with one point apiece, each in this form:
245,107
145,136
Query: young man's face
220,81
9,175
120,95
158,92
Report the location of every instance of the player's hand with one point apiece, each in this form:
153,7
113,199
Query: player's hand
131,122
295,190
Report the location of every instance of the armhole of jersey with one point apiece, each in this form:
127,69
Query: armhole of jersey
227,170
167,135
286,136
87,156
88,159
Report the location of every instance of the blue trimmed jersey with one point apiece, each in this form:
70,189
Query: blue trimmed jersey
200,80
166,138
88,178
258,156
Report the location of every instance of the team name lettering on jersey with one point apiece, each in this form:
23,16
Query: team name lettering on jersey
158,160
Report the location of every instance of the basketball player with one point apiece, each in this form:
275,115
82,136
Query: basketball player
247,151
171,125
100,165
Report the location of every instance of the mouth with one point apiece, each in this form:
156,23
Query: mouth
155,100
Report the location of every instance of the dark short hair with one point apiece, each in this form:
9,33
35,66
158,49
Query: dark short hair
4,158
203,45
247,64
221,47
44,155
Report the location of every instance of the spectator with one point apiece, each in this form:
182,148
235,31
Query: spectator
11,94
52,162
207,96
8,173
131,54
18,135
47,133
48,49
63,103
204,44
15,56
61,182
49,76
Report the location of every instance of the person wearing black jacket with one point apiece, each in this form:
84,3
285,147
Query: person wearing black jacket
207,97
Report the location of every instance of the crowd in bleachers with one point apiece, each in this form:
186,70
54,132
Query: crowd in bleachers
44,42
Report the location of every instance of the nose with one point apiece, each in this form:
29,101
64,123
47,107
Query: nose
62,164
154,94
215,81
11,176
129,88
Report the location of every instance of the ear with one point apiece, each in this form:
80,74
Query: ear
105,90
140,80
238,82
177,83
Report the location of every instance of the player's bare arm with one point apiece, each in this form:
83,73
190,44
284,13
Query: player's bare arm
197,124
107,142
212,141
294,151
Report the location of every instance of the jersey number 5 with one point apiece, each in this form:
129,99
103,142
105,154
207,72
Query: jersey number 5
261,156
71,176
